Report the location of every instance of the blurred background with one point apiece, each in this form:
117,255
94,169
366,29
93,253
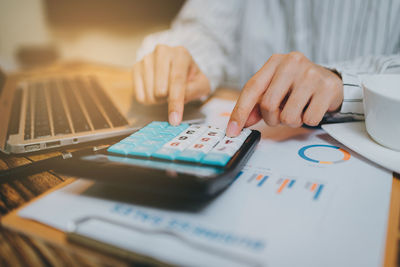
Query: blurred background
37,32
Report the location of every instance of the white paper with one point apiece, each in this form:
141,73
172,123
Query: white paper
257,221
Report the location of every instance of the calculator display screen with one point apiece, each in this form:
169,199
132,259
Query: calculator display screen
190,169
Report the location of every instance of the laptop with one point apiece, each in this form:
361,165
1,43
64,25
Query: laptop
49,110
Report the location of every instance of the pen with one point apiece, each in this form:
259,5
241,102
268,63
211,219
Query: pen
43,165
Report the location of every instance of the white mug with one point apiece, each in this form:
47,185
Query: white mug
382,108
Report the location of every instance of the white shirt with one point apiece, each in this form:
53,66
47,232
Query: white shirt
231,39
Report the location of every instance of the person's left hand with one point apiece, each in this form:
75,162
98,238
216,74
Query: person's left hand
289,89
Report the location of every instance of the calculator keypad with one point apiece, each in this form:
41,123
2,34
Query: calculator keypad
192,143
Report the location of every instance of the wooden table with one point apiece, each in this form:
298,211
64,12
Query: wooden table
20,250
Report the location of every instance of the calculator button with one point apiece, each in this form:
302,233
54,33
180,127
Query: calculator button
152,143
191,155
143,151
243,135
246,132
195,152
201,146
132,140
157,124
223,149
195,130
166,153
120,148
218,159
177,145
231,142
181,127
189,135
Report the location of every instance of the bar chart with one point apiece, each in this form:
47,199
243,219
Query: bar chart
292,187
315,189
258,178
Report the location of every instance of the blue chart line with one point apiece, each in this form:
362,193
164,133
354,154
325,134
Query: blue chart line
291,183
320,187
263,180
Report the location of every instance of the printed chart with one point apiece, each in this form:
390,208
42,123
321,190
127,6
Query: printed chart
274,184
319,153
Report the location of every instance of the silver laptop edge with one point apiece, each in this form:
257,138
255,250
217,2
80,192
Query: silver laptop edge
15,143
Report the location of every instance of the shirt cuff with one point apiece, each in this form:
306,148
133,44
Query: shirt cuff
352,94
352,107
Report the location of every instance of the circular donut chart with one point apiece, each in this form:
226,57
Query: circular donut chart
302,154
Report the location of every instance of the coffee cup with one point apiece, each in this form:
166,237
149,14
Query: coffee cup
382,108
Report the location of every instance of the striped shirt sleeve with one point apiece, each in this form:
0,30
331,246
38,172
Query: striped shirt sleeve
210,38
351,72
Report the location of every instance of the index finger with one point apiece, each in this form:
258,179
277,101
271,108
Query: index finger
177,87
250,95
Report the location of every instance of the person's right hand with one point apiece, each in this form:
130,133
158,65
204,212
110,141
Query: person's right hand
169,74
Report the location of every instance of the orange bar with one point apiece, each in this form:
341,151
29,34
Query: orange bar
325,162
259,177
346,155
313,187
283,185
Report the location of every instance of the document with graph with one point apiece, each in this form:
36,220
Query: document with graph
302,200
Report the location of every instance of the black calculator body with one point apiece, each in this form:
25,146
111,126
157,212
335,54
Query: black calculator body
161,165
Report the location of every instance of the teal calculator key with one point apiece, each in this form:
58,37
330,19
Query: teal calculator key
120,148
133,140
143,151
166,136
148,132
157,124
218,159
152,143
166,153
180,127
191,156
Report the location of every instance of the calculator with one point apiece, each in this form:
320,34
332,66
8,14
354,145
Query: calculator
190,160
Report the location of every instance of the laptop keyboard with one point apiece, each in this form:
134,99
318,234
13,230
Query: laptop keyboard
65,106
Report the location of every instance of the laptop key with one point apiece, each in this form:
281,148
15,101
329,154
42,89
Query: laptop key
60,121
41,123
98,120
28,122
13,127
79,121
112,112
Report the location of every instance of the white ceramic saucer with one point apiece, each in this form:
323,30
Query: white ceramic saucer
355,136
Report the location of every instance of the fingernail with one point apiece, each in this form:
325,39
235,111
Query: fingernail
232,129
174,118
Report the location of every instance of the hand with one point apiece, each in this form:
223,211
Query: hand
289,89
169,74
